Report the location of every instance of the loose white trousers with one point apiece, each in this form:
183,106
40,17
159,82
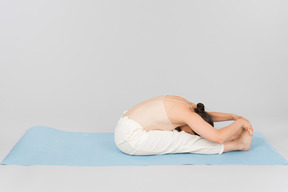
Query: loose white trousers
132,139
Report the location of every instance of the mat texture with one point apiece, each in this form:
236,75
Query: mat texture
42,145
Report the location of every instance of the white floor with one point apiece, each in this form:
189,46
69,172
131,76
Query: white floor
152,178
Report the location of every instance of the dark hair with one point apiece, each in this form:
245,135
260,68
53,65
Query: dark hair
200,110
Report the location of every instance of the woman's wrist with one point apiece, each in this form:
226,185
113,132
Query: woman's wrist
235,117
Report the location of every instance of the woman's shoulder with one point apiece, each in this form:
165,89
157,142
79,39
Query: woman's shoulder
193,105
176,97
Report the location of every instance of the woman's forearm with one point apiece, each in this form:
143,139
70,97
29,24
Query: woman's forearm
217,116
228,131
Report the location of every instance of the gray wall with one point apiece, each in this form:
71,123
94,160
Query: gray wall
77,65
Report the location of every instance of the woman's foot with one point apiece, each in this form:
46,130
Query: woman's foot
245,141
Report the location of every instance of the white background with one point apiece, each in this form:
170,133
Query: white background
77,65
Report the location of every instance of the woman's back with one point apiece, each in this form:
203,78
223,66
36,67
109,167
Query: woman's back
151,114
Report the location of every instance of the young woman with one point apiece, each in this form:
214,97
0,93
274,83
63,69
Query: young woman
172,124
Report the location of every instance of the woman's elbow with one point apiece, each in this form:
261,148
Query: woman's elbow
218,138
220,141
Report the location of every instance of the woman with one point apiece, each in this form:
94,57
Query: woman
171,124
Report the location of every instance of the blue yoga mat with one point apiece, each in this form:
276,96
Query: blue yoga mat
42,145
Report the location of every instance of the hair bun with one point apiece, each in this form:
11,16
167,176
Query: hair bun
200,107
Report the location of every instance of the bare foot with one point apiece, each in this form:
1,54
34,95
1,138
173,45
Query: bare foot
245,141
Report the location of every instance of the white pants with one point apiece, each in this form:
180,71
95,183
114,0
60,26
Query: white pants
132,139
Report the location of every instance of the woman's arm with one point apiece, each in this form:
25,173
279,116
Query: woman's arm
217,116
205,130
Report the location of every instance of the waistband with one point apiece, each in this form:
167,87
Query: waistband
125,129
130,121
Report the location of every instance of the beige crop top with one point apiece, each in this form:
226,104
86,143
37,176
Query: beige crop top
151,114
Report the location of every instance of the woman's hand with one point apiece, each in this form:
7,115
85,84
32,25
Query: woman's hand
246,125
